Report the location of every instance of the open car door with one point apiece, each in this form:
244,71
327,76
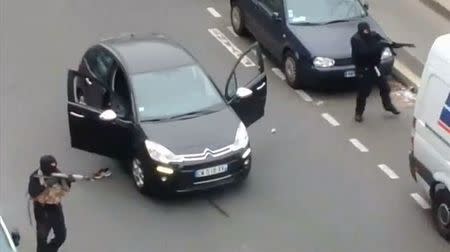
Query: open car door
246,88
90,129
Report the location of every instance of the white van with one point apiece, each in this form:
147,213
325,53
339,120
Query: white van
430,154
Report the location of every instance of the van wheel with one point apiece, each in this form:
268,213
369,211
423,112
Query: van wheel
237,20
291,70
441,213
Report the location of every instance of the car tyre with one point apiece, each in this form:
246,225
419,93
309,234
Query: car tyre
141,178
237,20
441,215
291,68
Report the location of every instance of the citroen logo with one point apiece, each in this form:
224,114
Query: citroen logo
207,152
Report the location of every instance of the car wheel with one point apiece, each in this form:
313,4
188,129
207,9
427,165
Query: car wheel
291,70
141,181
441,213
237,20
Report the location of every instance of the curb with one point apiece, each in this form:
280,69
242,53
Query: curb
442,7
406,76
443,4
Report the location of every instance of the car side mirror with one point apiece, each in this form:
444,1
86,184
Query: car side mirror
276,16
243,92
108,115
15,236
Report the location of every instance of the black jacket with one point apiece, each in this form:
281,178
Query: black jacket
366,52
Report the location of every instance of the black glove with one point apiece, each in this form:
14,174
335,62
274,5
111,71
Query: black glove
71,178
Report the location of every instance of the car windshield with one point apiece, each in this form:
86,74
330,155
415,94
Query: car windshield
174,92
309,12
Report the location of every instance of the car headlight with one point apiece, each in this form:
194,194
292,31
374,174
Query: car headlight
387,53
160,153
241,139
323,62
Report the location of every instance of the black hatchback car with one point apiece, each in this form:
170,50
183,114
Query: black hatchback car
310,39
146,100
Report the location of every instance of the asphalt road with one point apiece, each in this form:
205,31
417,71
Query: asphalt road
310,188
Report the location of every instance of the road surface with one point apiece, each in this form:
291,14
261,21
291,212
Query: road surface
316,184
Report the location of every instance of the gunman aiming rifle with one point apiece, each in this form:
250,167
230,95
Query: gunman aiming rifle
395,45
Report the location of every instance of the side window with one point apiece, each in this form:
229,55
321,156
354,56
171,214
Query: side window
86,91
99,63
273,5
120,101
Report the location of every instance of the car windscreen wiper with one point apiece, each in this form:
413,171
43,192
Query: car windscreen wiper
343,20
192,114
305,23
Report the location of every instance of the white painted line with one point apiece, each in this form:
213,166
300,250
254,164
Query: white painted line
421,201
319,103
391,174
232,31
213,12
278,73
236,52
330,119
359,145
304,95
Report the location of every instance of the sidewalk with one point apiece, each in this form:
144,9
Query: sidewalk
412,21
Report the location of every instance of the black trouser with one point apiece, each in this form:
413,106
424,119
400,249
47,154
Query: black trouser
366,80
49,217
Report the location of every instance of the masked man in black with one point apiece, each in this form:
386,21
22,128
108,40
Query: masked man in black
47,192
367,48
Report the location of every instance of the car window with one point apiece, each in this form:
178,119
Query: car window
120,101
100,63
323,11
174,92
273,5
89,92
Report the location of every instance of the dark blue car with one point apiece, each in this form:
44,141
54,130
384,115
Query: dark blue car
310,39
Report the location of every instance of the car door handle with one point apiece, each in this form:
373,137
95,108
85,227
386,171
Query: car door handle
76,114
261,86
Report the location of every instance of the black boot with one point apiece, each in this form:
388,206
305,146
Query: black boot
358,118
393,110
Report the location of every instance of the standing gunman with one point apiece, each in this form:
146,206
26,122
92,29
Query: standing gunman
367,48
47,192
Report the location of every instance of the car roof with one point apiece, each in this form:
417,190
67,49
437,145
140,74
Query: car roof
141,53
441,47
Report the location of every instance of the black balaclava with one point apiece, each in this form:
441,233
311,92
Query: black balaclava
48,164
364,26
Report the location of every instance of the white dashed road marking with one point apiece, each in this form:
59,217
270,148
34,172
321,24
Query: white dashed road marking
319,103
278,73
232,31
236,52
304,95
358,145
213,12
421,201
330,119
391,174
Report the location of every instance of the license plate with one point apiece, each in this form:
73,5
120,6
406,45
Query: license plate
211,171
350,74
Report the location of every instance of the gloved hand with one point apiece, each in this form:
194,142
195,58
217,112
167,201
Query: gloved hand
71,178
